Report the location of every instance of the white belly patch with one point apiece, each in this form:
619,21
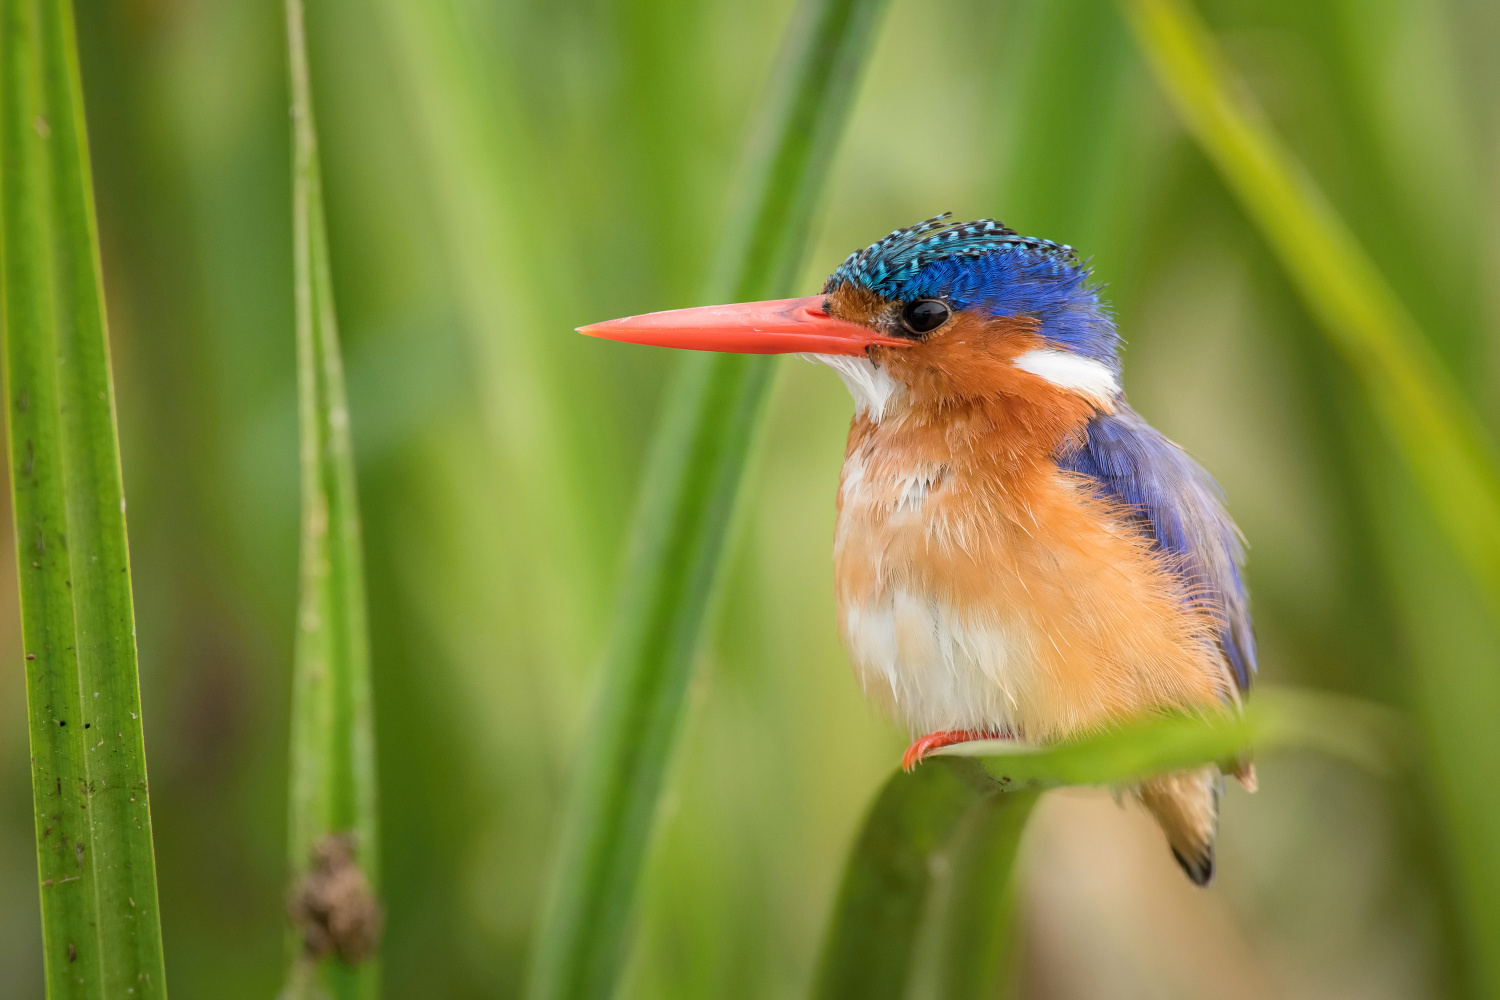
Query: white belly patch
937,669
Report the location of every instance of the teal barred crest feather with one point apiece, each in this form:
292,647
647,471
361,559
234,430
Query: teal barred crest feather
886,264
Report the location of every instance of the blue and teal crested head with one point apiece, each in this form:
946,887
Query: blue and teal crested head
986,268
930,317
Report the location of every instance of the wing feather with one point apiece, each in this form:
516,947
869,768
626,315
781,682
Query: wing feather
1183,508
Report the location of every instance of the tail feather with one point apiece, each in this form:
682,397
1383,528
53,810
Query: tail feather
1186,805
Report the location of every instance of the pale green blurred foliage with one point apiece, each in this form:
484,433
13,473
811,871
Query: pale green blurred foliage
630,120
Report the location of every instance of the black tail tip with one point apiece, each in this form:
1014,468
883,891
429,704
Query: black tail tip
1199,869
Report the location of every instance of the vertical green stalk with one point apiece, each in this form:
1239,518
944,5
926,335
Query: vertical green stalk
100,925
692,480
978,945
872,932
332,845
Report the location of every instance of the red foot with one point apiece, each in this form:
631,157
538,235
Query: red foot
924,746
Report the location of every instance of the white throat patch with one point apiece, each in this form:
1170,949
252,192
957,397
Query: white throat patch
871,386
1073,372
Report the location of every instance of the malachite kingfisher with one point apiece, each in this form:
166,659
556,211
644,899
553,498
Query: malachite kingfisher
1017,553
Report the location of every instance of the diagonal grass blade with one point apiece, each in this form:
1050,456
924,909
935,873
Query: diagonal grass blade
100,924
693,478
332,845
1438,435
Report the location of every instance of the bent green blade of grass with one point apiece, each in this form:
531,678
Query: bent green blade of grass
965,809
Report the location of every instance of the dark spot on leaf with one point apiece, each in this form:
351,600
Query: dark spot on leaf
333,906
30,656
87,725
72,952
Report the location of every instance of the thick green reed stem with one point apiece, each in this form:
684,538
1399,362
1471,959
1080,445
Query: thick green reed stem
100,927
693,478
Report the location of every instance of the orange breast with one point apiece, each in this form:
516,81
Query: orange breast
980,587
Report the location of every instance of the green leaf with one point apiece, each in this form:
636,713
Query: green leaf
100,925
977,940
692,480
332,842
1451,456
970,803
872,935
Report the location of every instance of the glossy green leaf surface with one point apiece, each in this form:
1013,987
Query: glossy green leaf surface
100,926
693,478
332,783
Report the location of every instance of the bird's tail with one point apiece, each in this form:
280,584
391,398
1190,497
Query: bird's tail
1186,805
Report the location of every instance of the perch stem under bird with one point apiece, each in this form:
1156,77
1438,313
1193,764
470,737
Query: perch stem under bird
1017,554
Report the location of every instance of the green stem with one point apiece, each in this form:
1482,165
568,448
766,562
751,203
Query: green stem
978,941
332,814
873,931
693,477
100,923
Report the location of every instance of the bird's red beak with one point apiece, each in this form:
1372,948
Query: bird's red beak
777,326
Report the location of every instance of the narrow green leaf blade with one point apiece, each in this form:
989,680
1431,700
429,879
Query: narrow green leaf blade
100,922
1357,731
872,933
977,927
693,477
1452,457
332,843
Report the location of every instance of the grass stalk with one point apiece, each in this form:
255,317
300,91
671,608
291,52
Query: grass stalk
332,841
100,922
869,949
1438,435
978,943
693,477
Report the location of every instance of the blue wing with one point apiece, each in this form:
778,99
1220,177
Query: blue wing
1183,508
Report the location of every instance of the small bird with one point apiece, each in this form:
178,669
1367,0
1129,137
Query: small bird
1018,554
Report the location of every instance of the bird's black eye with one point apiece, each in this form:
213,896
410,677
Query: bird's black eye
925,315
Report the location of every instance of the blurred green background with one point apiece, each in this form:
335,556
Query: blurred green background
498,173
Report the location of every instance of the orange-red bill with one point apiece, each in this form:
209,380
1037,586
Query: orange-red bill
776,326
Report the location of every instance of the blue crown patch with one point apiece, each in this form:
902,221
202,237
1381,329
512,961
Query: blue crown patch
888,263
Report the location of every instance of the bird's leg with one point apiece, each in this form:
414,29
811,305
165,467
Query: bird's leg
924,746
